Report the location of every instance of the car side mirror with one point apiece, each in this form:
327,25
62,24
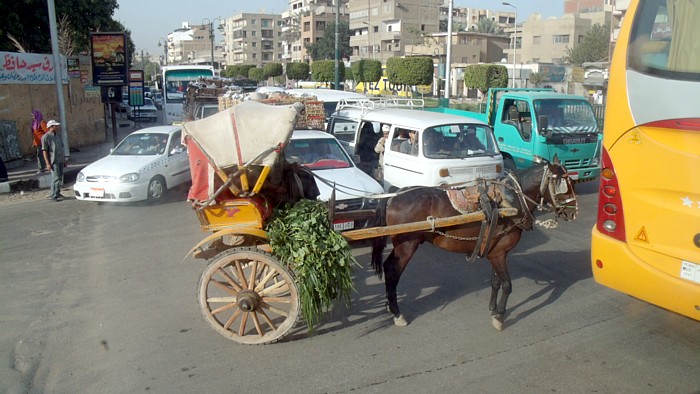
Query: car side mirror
543,124
356,159
177,150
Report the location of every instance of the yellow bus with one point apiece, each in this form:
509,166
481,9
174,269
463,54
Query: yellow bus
646,241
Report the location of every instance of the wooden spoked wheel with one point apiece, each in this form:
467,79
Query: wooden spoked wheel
248,297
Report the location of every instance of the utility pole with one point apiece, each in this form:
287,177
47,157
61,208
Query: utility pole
337,45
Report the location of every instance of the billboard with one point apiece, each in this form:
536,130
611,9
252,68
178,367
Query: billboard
109,59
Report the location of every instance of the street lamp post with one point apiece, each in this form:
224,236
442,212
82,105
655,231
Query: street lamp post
206,21
515,34
162,42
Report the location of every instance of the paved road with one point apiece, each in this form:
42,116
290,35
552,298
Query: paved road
96,299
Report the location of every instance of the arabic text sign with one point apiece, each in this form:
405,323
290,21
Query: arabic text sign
29,68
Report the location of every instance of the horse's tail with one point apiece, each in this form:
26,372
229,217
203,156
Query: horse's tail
379,243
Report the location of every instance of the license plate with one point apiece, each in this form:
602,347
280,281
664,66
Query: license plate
340,226
573,176
97,192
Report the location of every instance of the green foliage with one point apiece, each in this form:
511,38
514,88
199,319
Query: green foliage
416,70
28,22
594,48
298,70
273,70
487,26
485,76
324,70
256,74
367,70
536,79
238,70
302,238
324,47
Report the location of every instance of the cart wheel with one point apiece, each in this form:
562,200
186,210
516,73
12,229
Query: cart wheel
248,297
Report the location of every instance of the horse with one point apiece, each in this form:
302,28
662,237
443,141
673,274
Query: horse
543,186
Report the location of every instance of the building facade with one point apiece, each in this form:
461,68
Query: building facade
251,38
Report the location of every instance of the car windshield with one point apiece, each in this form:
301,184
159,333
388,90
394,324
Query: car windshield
146,144
457,141
567,115
317,153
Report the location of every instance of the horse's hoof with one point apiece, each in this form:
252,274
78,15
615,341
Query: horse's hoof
400,321
497,322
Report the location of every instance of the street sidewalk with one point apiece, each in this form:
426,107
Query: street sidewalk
24,177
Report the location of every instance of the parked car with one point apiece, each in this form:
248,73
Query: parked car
323,154
143,166
147,111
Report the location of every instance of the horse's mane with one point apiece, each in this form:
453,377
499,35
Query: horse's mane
529,177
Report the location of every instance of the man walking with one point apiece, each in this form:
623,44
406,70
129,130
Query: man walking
52,148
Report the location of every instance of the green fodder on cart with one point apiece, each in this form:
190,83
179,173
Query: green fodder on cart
302,237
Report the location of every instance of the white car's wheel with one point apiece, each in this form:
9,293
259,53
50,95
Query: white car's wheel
156,188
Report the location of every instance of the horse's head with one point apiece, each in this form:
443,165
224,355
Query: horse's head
557,190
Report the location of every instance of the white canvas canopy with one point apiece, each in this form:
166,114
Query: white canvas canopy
236,135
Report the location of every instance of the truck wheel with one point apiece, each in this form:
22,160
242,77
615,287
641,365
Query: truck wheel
509,163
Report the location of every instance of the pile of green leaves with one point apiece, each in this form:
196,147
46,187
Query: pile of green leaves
301,236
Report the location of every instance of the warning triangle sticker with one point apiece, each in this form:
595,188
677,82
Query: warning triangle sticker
642,235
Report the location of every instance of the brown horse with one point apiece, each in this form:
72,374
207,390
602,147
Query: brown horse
543,186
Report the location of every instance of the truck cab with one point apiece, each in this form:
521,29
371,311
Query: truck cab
533,125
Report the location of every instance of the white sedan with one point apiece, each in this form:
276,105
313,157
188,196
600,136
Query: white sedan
354,190
143,166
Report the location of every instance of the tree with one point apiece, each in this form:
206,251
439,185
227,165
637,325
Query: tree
297,70
367,70
485,76
238,70
273,70
324,47
487,26
28,22
536,79
410,71
594,48
324,70
257,74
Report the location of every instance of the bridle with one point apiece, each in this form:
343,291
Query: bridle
564,204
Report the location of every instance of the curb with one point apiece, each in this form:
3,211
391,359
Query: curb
42,181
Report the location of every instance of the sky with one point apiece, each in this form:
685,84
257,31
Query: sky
151,20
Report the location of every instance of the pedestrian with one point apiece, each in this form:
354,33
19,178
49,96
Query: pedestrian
380,148
52,148
39,128
3,171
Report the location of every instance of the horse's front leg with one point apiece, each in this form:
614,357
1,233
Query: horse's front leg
392,274
498,309
495,287
394,266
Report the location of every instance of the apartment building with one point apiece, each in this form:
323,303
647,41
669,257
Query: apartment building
380,29
304,23
191,44
546,40
252,38
465,18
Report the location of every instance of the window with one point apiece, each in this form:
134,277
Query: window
659,46
536,40
561,39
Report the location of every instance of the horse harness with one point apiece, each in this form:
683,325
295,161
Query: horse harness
491,195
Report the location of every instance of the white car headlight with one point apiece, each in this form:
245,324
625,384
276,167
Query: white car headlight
81,177
127,178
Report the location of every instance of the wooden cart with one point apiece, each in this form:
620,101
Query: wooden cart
245,293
